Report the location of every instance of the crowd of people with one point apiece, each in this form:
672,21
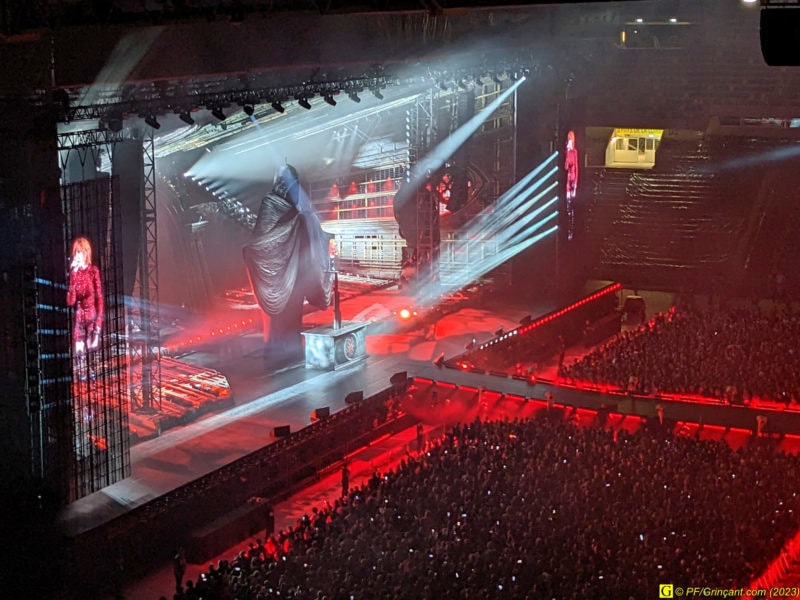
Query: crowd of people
536,508
736,353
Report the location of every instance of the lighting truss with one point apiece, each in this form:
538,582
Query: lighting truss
154,100
91,138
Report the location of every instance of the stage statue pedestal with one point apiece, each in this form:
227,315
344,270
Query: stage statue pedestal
329,349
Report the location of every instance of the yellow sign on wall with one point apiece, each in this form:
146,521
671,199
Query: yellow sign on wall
626,132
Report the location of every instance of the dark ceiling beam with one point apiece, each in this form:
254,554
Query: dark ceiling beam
18,16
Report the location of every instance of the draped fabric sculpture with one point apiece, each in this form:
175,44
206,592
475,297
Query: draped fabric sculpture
288,262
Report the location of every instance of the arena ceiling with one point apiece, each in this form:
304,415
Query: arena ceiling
167,57
21,15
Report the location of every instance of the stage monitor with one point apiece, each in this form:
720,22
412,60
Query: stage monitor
400,378
354,397
322,413
282,431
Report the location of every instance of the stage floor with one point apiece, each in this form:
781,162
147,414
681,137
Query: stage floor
264,397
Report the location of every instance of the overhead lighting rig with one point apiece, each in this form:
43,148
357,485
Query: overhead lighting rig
164,98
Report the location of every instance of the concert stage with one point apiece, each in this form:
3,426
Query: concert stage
262,397
265,395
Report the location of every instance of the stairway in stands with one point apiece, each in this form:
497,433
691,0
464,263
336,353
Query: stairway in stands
679,223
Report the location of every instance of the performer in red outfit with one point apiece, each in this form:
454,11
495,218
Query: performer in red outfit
571,168
85,293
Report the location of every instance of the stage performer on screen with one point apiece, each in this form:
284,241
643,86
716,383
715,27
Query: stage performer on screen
288,262
85,296
571,169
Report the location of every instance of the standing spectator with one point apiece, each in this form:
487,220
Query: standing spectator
179,568
345,479
761,421
269,514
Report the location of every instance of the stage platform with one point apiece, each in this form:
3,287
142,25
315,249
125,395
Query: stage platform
187,393
264,397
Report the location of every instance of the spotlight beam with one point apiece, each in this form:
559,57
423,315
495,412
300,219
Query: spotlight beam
291,132
522,236
495,221
510,227
437,157
469,273
494,213
513,229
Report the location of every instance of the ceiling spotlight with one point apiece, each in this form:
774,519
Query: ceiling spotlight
329,99
377,93
303,101
353,95
249,109
217,112
277,106
186,118
151,120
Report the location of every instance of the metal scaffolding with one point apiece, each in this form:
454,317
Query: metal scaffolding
420,133
146,353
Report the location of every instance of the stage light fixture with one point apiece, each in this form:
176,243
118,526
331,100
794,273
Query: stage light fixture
186,118
303,101
377,93
353,95
217,112
499,332
151,120
329,99
114,121
249,109
439,362
277,106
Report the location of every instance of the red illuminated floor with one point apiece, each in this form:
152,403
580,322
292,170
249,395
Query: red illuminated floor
264,399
